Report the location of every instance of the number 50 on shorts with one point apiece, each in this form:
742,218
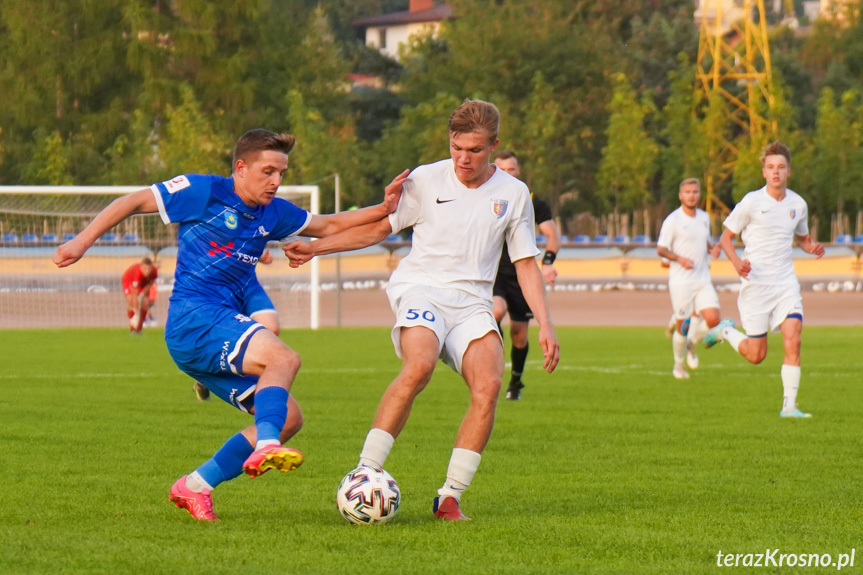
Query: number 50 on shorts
416,313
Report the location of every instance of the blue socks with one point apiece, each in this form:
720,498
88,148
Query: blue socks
271,411
227,463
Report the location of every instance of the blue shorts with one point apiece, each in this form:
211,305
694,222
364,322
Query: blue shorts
208,342
257,300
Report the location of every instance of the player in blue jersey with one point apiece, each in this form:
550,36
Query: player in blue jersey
258,306
225,224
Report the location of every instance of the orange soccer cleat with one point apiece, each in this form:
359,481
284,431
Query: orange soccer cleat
272,457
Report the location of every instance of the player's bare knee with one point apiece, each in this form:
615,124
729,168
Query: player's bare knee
485,387
417,373
484,398
286,360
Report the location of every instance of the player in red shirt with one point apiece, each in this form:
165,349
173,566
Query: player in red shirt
136,286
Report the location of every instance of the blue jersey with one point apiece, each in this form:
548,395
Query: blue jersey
220,238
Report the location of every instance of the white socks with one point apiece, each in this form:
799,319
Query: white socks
733,337
196,483
266,443
678,344
790,383
462,466
697,328
376,448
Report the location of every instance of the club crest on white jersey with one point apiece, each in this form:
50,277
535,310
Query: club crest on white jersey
498,207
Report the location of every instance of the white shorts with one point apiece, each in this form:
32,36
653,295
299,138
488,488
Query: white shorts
455,316
688,298
763,307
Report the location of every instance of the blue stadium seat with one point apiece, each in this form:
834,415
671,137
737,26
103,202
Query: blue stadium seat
68,236
29,238
842,239
49,238
642,239
109,237
564,239
393,238
581,239
858,239
621,239
131,238
600,239
541,239
10,237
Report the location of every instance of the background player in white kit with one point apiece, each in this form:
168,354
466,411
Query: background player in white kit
462,210
684,240
768,220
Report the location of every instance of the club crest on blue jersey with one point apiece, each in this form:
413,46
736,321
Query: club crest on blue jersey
231,219
498,207
792,213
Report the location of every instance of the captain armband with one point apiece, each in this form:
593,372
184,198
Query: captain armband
548,258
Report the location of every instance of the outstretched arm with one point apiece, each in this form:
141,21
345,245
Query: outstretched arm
351,239
322,226
140,202
530,282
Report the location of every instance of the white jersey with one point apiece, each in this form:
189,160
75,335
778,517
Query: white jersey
767,228
687,236
459,232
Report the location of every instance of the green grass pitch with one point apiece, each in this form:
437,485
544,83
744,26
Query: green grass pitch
609,465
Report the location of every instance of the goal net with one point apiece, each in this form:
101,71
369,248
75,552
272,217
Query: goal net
34,220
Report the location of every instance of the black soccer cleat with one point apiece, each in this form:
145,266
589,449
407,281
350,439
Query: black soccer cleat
513,392
202,393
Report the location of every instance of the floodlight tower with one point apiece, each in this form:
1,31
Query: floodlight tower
734,64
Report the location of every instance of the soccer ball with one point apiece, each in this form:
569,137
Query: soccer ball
367,496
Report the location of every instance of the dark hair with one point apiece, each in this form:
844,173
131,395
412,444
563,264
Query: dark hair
777,148
505,155
147,262
259,140
474,115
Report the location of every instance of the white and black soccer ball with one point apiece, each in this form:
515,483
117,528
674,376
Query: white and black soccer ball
367,496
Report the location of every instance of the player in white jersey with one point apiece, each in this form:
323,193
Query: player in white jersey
769,220
462,211
684,240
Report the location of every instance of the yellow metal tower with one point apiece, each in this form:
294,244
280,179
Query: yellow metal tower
733,69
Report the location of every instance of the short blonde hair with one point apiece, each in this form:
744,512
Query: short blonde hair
475,115
688,181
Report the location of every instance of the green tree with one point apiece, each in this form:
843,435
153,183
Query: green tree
838,159
419,137
189,143
321,151
50,163
679,155
629,158
545,141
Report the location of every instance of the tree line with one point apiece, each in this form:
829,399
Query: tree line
596,96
